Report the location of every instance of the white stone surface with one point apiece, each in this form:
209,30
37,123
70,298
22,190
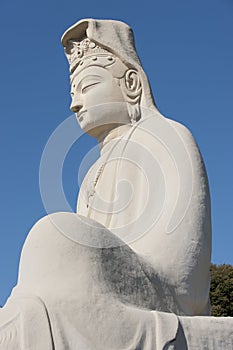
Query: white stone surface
117,274
67,298
149,186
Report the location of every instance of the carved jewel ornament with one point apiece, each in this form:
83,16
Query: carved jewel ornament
86,52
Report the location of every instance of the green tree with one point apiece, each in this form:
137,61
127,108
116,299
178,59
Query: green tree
221,290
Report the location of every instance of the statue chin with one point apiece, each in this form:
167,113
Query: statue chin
103,117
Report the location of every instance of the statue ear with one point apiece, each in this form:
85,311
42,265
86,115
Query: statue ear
132,90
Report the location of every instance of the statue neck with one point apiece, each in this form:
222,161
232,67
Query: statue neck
108,139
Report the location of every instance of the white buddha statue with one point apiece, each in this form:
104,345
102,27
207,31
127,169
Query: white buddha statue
130,269
149,186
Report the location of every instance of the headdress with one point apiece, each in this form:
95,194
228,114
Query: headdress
78,51
85,53
114,43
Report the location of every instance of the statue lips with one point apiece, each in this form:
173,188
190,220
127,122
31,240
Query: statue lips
80,114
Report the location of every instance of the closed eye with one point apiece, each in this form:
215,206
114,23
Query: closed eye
88,85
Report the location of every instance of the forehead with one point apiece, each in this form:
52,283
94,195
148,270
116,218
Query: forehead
93,71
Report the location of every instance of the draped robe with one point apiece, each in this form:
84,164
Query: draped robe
149,187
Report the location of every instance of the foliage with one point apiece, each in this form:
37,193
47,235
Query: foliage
221,290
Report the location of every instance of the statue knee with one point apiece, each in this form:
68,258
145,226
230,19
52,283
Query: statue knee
60,243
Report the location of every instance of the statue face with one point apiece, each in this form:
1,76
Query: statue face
97,101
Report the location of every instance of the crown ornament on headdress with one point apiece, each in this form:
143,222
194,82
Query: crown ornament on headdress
78,51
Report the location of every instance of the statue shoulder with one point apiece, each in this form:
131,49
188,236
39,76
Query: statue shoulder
183,131
191,146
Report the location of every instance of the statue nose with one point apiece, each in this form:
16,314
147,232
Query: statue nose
75,106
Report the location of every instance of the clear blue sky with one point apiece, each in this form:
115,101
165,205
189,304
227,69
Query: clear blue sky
186,48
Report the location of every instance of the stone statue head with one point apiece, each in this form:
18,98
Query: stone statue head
108,84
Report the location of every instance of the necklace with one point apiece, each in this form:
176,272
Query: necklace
107,155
